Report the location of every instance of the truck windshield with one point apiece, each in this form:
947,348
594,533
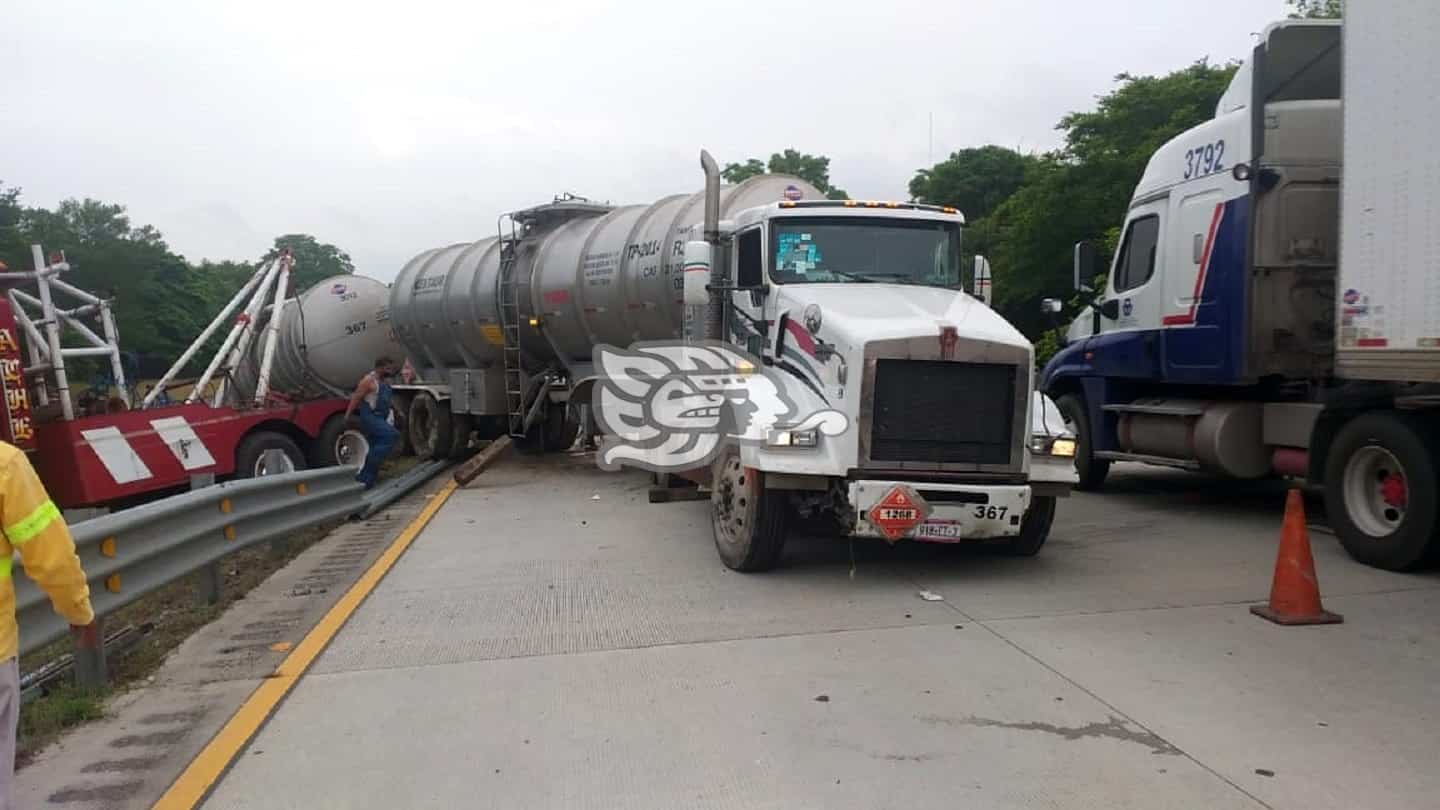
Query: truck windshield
855,249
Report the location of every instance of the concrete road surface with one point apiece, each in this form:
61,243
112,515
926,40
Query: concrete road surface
552,640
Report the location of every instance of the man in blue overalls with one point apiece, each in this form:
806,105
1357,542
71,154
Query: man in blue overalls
371,401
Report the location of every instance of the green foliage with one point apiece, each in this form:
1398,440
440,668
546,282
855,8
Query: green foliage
161,301
740,172
314,260
1312,9
813,169
974,180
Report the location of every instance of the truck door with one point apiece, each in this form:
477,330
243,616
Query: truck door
748,326
1194,346
1128,345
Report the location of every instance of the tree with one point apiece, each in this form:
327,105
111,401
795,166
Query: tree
314,260
813,169
1316,9
740,172
974,180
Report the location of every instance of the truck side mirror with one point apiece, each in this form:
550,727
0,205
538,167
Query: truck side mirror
1051,306
1084,263
983,289
698,257
1111,308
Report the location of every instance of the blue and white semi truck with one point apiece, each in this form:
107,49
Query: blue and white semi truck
1273,307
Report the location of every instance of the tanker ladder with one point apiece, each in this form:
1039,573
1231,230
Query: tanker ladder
510,325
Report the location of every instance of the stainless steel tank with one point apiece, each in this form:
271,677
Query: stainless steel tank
588,273
330,337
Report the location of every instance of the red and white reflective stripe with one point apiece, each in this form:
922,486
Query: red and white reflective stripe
125,464
1187,318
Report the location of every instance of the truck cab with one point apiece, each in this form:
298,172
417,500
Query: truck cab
914,409
1230,337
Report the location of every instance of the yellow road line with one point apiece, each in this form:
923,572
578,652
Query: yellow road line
207,767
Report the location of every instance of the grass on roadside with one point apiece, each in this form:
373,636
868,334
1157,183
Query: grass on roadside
168,616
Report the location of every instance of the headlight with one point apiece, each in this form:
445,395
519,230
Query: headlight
792,438
1043,445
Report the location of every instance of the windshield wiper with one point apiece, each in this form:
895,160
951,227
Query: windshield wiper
851,276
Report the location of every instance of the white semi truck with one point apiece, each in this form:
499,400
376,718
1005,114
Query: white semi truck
1274,305
853,309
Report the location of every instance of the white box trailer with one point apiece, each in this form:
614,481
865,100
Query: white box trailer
1389,279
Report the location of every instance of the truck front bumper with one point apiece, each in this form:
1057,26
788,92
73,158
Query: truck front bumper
949,513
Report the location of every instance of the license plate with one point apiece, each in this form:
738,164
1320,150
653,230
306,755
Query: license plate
940,530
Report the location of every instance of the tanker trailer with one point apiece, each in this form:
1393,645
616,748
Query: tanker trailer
568,275
889,401
328,338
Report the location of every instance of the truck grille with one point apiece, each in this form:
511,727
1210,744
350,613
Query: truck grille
942,412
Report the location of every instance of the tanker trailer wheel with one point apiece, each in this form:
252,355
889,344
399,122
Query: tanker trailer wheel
1381,477
749,521
1092,471
400,419
461,426
1034,530
254,459
429,427
562,428
338,445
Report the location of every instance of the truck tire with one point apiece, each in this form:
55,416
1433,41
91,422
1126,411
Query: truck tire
1034,530
1381,477
1092,471
338,445
429,427
561,428
400,418
251,459
460,430
749,521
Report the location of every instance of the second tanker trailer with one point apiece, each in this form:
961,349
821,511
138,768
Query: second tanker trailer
887,398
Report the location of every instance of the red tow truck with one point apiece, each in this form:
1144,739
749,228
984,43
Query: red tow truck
107,449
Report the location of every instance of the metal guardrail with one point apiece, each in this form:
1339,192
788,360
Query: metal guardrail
395,489
128,554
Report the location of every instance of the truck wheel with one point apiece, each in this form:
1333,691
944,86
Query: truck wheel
749,520
338,445
253,459
1034,530
1091,470
561,428
430,428
1380,485
460,430
400,413
533,442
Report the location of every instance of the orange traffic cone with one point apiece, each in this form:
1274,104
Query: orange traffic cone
1295,593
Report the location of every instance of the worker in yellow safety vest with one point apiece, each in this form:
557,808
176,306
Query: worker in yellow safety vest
30,524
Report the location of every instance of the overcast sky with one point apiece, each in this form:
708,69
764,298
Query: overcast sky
389,128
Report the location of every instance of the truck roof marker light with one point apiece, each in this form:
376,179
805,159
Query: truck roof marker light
949,210
892,205
787,204
851,203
